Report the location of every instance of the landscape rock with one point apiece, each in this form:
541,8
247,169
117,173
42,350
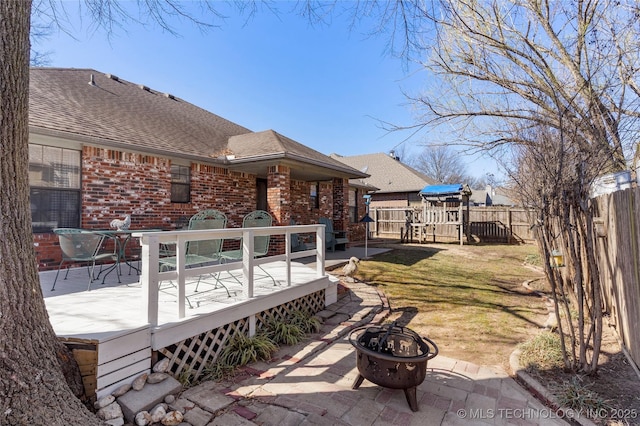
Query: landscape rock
143,418
121,390
139,382
111,411
115,422
157,413
154,378
161,366
172,418
170,399
104,401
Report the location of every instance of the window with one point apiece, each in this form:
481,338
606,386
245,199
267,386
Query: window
353,205
261,194
180,183
54,179
314,199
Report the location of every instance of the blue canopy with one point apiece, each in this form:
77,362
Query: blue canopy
441,190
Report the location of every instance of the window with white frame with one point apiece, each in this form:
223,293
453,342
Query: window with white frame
54,180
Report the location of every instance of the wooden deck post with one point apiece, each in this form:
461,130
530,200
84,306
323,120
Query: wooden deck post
287,253
181,256
320,248
247,262
149,277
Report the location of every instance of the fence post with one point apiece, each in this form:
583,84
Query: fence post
509,226
375,220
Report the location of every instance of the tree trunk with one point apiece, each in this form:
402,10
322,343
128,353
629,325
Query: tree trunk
33,390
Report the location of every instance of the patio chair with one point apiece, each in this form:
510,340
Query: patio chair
201,252
257,218
83,246
297,243
334,239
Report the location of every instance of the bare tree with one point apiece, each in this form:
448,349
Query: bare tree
443,164
501,68
537,63
568,66
552,87
549,176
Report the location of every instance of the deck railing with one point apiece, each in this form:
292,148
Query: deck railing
151,276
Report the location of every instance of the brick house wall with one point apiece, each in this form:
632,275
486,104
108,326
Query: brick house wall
116,183
396,199
356,231
340,190
279,193
279,202
325,192
300,207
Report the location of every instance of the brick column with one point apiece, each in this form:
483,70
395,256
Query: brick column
279,193
340,204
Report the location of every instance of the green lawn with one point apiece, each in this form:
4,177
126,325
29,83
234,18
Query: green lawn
468,299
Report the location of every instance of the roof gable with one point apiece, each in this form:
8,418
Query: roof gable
270,142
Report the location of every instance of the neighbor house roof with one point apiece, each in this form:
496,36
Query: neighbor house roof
491,197
386,172
92,107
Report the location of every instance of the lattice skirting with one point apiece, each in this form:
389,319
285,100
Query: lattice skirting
193,354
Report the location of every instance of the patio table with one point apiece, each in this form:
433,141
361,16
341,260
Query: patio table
121,238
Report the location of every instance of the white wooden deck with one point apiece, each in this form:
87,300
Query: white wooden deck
117,326
113,308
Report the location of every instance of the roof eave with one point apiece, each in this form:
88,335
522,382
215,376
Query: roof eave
346,171
91,140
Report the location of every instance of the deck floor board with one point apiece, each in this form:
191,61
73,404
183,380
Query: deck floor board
114,307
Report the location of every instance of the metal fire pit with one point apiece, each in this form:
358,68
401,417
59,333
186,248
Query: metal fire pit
393,357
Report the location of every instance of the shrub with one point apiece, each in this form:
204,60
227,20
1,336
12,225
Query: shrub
578,396
286,333
217,371
187,379
243,350
307,322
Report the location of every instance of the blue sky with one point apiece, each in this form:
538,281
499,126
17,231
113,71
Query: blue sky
325,86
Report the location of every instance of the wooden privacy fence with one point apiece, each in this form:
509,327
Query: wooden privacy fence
487,224
618,254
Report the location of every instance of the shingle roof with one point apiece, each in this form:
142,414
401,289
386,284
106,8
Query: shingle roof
494,197
387,173
270,142
118,111
85,104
